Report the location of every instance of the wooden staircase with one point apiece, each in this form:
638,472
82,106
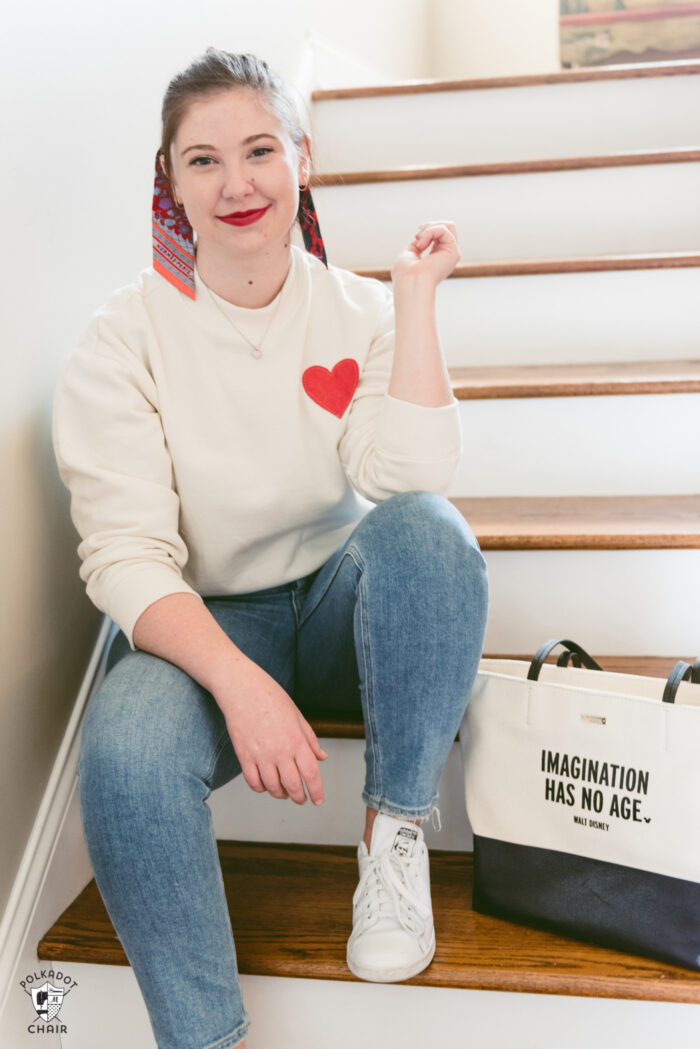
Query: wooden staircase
606,555
308,940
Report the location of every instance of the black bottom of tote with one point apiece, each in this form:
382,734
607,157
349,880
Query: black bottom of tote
603,903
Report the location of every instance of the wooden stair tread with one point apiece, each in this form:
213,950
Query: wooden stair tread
308,939
545,267
576,380
415,172
332,724
563,76
630,522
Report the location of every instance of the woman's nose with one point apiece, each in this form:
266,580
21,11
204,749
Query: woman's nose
238,182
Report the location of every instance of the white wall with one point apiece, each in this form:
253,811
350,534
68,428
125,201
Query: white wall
81,85
479,38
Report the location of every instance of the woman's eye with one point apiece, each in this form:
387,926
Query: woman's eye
262,149
200,162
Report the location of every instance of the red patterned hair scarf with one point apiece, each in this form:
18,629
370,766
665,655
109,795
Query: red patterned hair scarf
173,239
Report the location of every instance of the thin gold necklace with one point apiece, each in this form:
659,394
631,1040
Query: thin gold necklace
255,350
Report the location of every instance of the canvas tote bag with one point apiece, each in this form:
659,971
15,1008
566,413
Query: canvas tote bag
583,792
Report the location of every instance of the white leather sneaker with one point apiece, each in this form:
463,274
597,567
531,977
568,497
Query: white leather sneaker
393,937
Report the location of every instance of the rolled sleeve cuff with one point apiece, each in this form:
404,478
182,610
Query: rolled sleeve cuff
417,433
140,588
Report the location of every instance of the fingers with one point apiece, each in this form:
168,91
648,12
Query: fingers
304,769
270,775
252,777
309,769
267,780
312,740
287,767
287,780
291,780
439,222
433,230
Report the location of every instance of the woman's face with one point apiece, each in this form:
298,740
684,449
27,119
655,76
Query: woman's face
231,155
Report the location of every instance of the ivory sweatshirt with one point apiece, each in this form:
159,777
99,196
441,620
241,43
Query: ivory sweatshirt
197,466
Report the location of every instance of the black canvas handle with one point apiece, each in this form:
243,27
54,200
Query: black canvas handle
681,672
567,657
574,653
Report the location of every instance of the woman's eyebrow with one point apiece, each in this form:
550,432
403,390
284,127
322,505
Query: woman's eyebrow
202,145
264,134
246,141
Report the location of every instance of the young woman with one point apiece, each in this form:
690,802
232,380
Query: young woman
224,428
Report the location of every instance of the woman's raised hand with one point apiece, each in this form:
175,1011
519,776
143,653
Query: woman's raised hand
439,242
277,749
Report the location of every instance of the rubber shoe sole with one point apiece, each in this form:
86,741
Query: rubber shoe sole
395,975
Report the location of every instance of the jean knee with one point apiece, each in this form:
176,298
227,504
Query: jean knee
114,765
142,739
418,524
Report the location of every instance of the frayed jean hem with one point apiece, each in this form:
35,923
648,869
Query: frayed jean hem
230,1040
422,813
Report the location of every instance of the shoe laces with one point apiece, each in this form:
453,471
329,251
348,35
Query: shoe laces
384,891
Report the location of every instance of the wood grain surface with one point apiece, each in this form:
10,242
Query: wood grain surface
633,522
291,915
576,380
412,173
541,267
630,71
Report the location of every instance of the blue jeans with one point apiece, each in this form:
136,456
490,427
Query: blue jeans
393,621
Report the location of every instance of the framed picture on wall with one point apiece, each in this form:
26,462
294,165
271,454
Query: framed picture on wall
610,32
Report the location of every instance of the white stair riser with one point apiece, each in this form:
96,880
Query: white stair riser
620,602
596,211
241,815
392,1016
506,124
105,1010
633,315
618,445
304,1014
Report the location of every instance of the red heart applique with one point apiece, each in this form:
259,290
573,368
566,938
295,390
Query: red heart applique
332,390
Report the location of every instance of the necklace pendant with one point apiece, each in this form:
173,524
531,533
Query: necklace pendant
256,352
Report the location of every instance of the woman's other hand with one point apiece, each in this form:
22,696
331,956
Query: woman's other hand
275,745
433,253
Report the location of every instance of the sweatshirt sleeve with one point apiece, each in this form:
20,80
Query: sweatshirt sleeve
112,456
392,446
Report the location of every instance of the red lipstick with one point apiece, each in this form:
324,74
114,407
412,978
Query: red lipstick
243,218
